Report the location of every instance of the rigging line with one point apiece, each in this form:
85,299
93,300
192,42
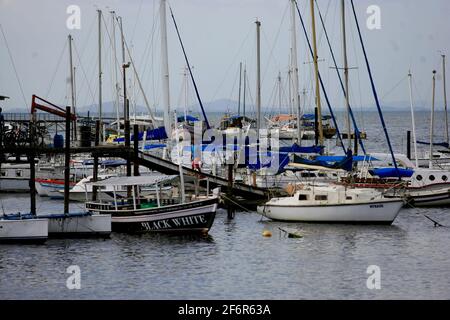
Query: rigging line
84,72
357,132
320,80
14,66
394,87
56,69
136,22
244,41
136,76
374,91
271,55
190,70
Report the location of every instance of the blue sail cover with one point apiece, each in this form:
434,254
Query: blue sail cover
154,134
266,160
346,163
295,148
311,117
392,172
188,118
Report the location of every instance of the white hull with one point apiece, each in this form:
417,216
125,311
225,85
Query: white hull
374,212
23,230
79,225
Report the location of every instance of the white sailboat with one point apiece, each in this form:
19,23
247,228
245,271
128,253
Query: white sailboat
333,204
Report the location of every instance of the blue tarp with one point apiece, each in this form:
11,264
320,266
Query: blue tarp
392,172
345,163
295,148
313,117
154,146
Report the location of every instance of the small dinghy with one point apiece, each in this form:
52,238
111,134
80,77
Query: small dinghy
333,204
23,228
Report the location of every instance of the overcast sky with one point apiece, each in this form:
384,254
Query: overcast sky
218,34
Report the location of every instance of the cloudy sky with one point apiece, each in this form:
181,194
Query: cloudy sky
218,34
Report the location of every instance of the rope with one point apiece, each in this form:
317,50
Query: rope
223,196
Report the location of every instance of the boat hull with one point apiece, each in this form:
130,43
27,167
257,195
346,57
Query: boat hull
79,225
26,230
383,212
193,217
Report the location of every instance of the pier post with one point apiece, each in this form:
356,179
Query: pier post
136,149
95,169
67,162
408,144
230,209
32,180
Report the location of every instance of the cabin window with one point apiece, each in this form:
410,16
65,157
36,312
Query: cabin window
444,178
302,197
348,198
322,174
19,173
419,178
3,174
321,197
431,178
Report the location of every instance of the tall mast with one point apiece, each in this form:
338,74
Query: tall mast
445,98
295,67
347,97
186,91
316,72
432,120
258,77
116,85
126,111
240,84
279,91
100,111
412,118
245,87
165,68
72,85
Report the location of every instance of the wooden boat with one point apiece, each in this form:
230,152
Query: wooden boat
333,204
137,214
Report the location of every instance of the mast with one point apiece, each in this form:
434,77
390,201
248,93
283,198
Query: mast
180,159
240,84
100,111
245,87
165,68
316,73
117,87
294,67
412,118
72,84
186,90
347,97
279,91
258,77
445,98
432,121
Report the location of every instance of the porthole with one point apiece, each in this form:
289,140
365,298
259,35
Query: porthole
431,178
444,178
419,177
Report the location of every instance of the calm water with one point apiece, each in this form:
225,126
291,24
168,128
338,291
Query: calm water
237,262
